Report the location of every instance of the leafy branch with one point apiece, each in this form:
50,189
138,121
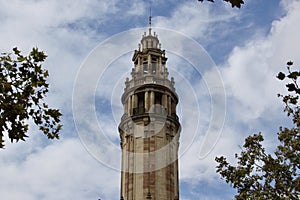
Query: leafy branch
23,88
234,3
258,175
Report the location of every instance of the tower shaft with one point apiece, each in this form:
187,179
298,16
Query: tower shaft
149,128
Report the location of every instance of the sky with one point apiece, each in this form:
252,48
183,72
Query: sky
224,61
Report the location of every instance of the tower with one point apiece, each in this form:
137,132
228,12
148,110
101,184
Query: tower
149,128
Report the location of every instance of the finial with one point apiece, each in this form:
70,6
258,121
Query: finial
150,18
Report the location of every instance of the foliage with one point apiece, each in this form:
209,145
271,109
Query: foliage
234,3
259,175
23,87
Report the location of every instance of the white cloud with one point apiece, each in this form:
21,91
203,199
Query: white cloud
68,30
65,30
250,72
41,169
195,20
28,23
63,170
251,86
137,8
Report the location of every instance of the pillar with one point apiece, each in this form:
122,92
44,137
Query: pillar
134,101
164,101
129,105
151,106
159,66
140,68
169,106
146,101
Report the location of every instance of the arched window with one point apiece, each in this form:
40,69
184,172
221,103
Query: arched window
154,64
145,66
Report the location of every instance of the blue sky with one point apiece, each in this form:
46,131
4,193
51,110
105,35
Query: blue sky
89,46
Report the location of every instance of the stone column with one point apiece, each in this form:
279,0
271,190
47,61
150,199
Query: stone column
149,64
129,106
164,101
151,106
134,101
132,104
125,108
169,106
140,66
173,107
159,67
149,58
146,101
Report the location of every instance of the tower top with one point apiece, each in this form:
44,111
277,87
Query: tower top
150,41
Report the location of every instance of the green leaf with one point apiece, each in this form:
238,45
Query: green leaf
289,63
16,51
293,75
291,87
21,59
234,3
281,76
294,100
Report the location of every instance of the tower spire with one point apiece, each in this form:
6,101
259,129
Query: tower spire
150,23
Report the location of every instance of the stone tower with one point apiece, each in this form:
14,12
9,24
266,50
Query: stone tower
149,128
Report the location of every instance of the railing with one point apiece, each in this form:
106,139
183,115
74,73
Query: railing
138,111
156,109
150,80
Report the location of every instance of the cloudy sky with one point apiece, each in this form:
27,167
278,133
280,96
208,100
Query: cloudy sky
224,62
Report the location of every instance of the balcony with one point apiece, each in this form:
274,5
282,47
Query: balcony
138,111
157,110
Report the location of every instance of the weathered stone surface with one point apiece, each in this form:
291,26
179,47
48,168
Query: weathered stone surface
149,128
